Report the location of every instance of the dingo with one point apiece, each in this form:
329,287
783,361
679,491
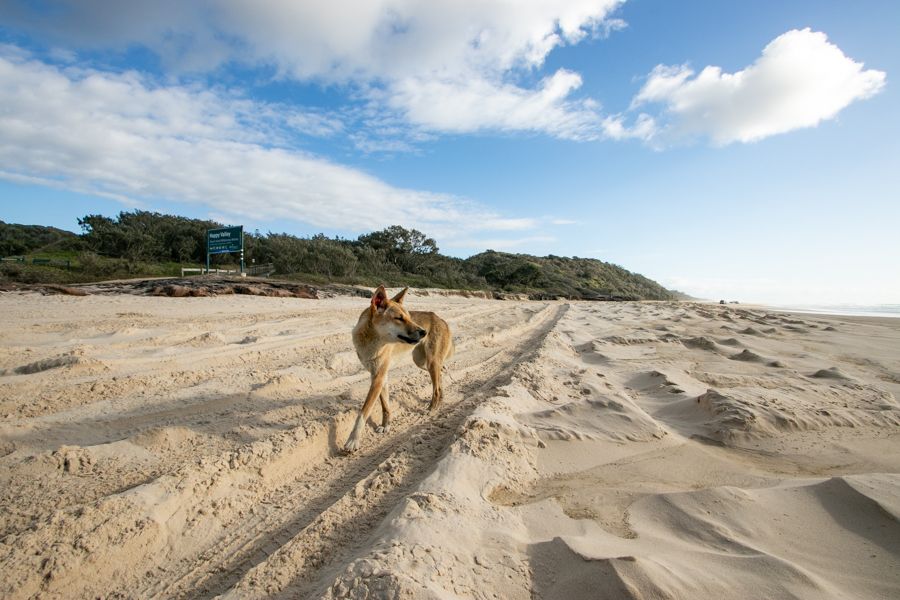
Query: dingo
386,329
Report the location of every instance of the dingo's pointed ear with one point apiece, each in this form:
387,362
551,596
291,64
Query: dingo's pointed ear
399,297
379,299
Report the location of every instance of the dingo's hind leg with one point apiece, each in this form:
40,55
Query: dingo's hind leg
437,392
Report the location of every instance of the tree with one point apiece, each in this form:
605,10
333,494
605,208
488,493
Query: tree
21,239
400,240
147,236
408,249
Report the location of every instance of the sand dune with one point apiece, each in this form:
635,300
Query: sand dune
189,448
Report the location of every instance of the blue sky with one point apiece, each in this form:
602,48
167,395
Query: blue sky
740,150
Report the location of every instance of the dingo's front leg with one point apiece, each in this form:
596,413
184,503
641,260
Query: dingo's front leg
378,380
385,410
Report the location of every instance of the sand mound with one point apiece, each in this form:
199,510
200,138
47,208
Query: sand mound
165,438
727,538
731,417
72,361
701,343
593,419
731,342
47,364
748,356
831,373
286,384
590,352
628,340
753,412
655,377
654,382
210,338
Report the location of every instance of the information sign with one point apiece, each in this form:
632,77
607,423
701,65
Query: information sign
226,239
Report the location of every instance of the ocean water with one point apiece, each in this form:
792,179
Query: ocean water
859,310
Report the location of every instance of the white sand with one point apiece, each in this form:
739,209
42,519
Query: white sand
188,447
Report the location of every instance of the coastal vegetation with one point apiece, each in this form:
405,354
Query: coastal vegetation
147,244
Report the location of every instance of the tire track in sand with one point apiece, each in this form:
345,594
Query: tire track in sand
318,519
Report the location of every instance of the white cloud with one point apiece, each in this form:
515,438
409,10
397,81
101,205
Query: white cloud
119,136
394,39
800,80
425,59
644,128
415,68
474,105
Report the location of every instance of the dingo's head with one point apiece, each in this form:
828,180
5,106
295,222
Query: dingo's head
391,320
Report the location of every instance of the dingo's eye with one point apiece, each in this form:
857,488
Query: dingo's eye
399,318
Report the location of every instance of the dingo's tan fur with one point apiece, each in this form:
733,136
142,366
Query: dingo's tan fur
385,329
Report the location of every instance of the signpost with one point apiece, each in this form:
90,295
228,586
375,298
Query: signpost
225,240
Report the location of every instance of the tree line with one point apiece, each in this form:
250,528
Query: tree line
394,256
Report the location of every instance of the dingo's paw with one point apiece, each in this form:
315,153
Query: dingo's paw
383,429
351,446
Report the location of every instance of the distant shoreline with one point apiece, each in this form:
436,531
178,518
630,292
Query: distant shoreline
891,311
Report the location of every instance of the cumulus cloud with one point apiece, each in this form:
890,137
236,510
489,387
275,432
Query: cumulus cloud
800,80
427,58
118,135
644,127
473,105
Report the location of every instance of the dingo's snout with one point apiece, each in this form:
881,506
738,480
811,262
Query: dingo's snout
413,337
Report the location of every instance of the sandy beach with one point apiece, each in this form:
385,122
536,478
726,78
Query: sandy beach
156,447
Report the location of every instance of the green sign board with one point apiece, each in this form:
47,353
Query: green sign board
226,239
